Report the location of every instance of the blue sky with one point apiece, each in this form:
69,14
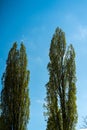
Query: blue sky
34,22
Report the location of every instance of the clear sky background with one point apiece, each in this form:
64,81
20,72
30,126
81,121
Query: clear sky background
34,22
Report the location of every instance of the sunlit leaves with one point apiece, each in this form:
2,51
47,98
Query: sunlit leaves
15,100
61,88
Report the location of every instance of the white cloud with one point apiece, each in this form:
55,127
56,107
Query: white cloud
38,60
37,29
81,33
70,18
79,40
39,101
83,129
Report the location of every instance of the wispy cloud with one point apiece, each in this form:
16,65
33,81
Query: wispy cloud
79,39
38,60
83,129
40,101
38,29
81,33
70,18
78,30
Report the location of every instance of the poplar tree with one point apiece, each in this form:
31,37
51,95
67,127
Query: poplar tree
15,99
61,88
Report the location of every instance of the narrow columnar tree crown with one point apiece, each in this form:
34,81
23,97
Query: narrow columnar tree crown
61,87
15,99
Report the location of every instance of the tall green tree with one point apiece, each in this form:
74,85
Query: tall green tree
61,88
15,99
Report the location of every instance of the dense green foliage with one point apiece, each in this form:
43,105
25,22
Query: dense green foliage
15,100
60,90
61,87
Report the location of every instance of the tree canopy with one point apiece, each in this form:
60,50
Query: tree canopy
15,99
61,87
